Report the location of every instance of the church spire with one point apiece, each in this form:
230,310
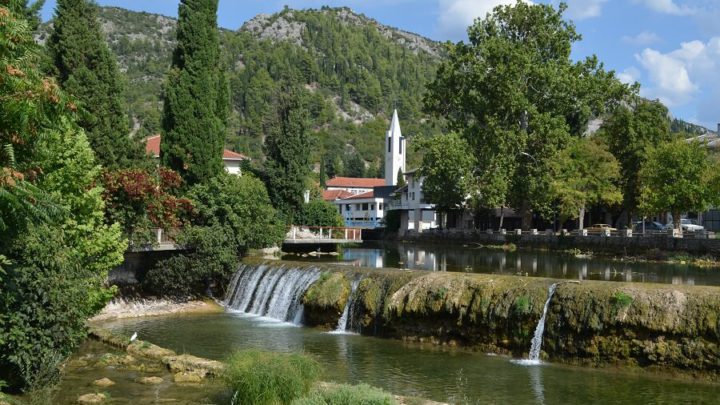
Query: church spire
394,151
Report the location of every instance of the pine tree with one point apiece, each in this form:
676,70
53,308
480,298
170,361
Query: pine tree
196,96
85,68
287,148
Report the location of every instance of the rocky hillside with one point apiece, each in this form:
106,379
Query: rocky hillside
354,70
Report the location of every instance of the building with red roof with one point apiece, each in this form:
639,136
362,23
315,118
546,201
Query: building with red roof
231,159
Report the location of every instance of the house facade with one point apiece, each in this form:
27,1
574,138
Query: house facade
231,160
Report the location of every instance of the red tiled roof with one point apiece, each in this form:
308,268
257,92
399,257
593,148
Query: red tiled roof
152,147
332,195
369,194
354,182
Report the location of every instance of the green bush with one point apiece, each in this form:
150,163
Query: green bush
319,213
344,394
211,258
622,300
265,378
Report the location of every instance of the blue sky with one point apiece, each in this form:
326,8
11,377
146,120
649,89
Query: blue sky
672,47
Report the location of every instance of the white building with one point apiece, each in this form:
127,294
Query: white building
231,160
364,202
416,214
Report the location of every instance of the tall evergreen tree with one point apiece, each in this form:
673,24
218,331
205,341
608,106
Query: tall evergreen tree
196,96
287,148
87,69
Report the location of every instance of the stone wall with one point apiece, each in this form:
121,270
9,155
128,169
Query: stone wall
596,323
611,244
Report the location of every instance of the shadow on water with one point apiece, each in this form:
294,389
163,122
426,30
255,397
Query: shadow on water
466,258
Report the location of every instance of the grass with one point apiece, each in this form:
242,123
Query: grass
344,394
265,378
622,300
522,304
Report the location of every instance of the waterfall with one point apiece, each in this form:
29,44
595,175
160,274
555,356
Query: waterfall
342,326
534,356
273,292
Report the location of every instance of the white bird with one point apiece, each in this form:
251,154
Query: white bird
133,337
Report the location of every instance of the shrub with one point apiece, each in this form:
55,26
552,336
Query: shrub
621,300
320,213
522,304
265,378
344,394
211,259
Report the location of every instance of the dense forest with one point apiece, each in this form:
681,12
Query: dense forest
354,71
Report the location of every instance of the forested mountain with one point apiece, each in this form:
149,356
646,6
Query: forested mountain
353,70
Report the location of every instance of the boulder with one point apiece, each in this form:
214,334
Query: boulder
91,399
150,380
191,377
104,382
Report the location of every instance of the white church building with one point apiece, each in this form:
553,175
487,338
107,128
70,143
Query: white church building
364,202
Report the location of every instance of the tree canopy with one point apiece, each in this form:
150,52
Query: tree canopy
55,248
516,96
85,68
195,96
447,170
678,177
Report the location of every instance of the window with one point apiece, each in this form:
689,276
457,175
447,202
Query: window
389,141
372,206
412,196
347,207
401,144
365,206
357,207
380,207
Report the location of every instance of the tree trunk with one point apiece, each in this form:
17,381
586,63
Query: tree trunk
502,217
526,216
581,219
676,220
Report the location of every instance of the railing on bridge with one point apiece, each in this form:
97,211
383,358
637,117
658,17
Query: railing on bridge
323,234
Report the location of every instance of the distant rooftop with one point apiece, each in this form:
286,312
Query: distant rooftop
357,182
152,147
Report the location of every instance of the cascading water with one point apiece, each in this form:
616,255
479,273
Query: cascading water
536,345
273,292
342,326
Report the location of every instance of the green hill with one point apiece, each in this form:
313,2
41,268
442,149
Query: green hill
354,71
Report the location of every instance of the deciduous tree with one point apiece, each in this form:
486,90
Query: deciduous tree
677,177
584,174
513,91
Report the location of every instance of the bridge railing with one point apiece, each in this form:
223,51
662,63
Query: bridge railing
302,232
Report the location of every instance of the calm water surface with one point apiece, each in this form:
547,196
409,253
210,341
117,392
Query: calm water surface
454,376
466,258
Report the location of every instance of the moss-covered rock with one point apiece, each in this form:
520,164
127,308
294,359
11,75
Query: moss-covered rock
325,300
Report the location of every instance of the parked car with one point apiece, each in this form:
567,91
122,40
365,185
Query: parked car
601,228
689,225
649,226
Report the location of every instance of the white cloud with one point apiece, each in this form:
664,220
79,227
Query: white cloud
642,39
629,75
668,7
457,15
584,9
684,74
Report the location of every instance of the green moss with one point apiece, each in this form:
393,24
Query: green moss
621,300
522,304
332,290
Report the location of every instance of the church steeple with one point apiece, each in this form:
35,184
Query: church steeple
394,151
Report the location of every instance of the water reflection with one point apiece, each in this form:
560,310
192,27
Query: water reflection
524,263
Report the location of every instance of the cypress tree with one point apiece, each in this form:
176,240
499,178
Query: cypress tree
85,68
287,148
196,96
